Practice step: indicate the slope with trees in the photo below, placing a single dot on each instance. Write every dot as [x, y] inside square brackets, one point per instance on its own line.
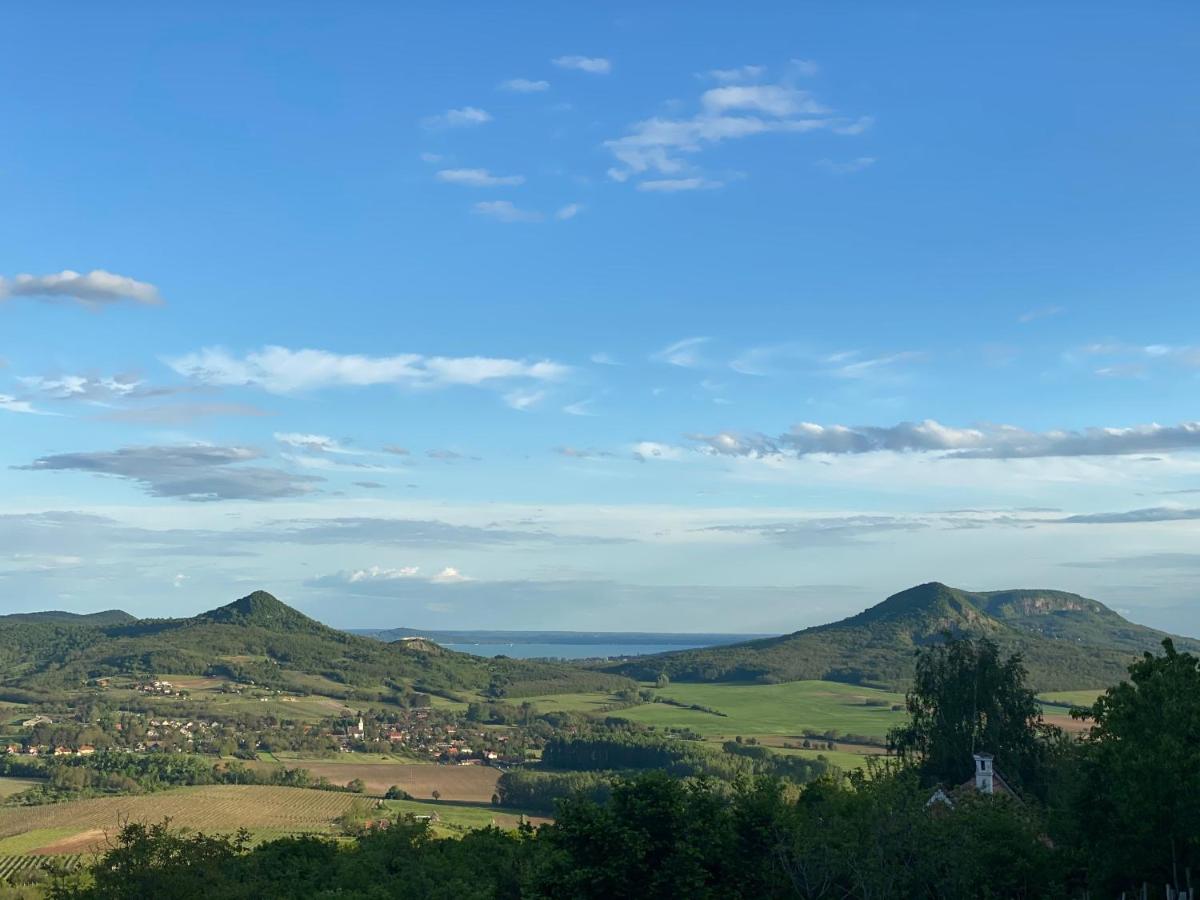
[1066, 641]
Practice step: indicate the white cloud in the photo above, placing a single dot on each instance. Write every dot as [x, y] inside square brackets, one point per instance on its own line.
[465, 117]
[740, 73]
[505, 211]
[647, 450]
[854, 127]
[570, 211]
[604, 359]
[82, 387]
[8, 403]
[674, 185]
[596, 65]
[380, 573]
[95, 288]
[656, 144]
[847, 365]
[930, 436]
[846, 167]
[773, 99]
[431, 157]
[579, 408]
[684, 353]
[178, 580]
[313, 443]
[524, 86]
[280, 370]
[478, 178]
[450, 575]
[523, 400]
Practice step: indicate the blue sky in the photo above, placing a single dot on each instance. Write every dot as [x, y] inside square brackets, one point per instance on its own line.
[611, 318]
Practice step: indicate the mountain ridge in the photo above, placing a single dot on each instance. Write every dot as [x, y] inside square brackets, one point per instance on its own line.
[260, 639]
[1068, 641]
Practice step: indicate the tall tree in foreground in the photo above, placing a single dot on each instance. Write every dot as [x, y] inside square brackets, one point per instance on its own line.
[967, 699]
[1135, 786]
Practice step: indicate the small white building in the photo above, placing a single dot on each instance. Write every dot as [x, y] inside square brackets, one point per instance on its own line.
[985, 781]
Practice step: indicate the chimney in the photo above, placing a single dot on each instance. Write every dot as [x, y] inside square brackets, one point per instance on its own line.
[983, 773]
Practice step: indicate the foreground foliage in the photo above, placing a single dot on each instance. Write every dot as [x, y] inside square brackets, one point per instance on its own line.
[1116, 811]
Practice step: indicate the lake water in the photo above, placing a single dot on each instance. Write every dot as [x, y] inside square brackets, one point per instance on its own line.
[566, 651]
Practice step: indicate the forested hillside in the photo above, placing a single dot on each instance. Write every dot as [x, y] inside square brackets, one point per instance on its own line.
[1067, 641]
[261, 640]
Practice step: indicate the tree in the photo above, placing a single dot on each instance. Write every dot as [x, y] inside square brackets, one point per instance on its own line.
[966, 699]
[437, 795]
[1135, 780]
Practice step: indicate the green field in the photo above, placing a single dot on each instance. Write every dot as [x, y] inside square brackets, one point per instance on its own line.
[10, 786]
[773, 709]
[590, 702]
[1070, 698]
[81, 826]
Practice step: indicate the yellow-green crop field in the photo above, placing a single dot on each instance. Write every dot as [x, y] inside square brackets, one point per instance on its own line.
[773, 709]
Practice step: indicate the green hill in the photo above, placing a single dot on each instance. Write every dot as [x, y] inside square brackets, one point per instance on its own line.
[261, 640]
[1068, 641]
[107, 617]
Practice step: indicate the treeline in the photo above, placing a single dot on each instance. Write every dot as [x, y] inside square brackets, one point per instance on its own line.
[590, 766]
[655, 838]
[126, 773]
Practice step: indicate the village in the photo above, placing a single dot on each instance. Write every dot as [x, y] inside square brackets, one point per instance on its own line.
[421, 734]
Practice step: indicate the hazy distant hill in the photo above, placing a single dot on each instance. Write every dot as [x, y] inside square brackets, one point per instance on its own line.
[260, 639]
[1068, 641]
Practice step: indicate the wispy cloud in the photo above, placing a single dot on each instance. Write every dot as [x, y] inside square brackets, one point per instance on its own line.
[478, 178]
[523, 400]
[846, 167]
[773, 99]
[930, 436]
[583, 453]
[1043, 312]
[849, 365]
[197, 472]
[734, 75]
[282, 371]
[684, 353]
[9, 403]
[570, 211]
[596, 65]
[524, 86]
[506, 211]
[733, 110]
[1134, 516]
[644, 451]
[674, 185]
[579, 408]
[94, 288]
[313, 443]
[463, 117]
[98, 389]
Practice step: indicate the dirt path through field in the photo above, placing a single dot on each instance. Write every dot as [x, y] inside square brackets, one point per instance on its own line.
[92, 841]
